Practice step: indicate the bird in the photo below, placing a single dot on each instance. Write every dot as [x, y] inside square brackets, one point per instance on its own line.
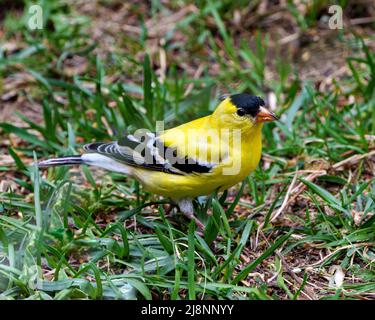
[197, 158]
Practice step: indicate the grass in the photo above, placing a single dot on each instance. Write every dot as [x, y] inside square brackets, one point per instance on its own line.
[85, 234]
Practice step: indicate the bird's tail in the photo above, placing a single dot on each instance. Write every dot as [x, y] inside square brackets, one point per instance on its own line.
[91, 159]
[63, 161]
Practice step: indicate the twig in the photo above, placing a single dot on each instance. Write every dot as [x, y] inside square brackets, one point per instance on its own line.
[301, 187]
[286, 199]
[337, 250]
[197, 74]
[363, 20]
[353, 159]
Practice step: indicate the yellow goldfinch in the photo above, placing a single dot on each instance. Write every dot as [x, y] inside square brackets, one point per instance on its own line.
[197, 158]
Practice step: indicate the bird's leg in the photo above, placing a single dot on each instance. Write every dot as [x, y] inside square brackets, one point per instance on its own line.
[187, 208]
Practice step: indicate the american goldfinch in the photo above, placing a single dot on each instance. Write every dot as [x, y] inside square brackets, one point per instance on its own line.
[197, 158]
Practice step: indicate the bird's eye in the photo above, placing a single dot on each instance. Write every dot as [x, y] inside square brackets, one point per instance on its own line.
[241, 112]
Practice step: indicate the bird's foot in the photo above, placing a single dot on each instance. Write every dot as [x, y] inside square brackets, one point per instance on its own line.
[191, 216]
[187, 208]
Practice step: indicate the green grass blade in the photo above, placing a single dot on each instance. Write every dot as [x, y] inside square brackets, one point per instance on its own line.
[191, 261]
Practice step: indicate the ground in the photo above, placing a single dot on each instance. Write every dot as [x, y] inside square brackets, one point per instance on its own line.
[301, 226]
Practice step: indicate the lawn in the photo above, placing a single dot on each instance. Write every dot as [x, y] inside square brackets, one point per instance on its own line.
[302, 226]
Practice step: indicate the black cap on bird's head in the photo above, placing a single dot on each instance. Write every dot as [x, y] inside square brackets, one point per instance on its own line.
[249, 105]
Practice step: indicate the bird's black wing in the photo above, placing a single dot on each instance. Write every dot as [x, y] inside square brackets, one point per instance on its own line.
[148, 152]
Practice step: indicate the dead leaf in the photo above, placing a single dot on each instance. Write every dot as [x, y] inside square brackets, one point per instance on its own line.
[337, 279]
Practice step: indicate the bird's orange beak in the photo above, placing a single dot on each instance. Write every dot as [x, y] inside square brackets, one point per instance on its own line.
[265, 115]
